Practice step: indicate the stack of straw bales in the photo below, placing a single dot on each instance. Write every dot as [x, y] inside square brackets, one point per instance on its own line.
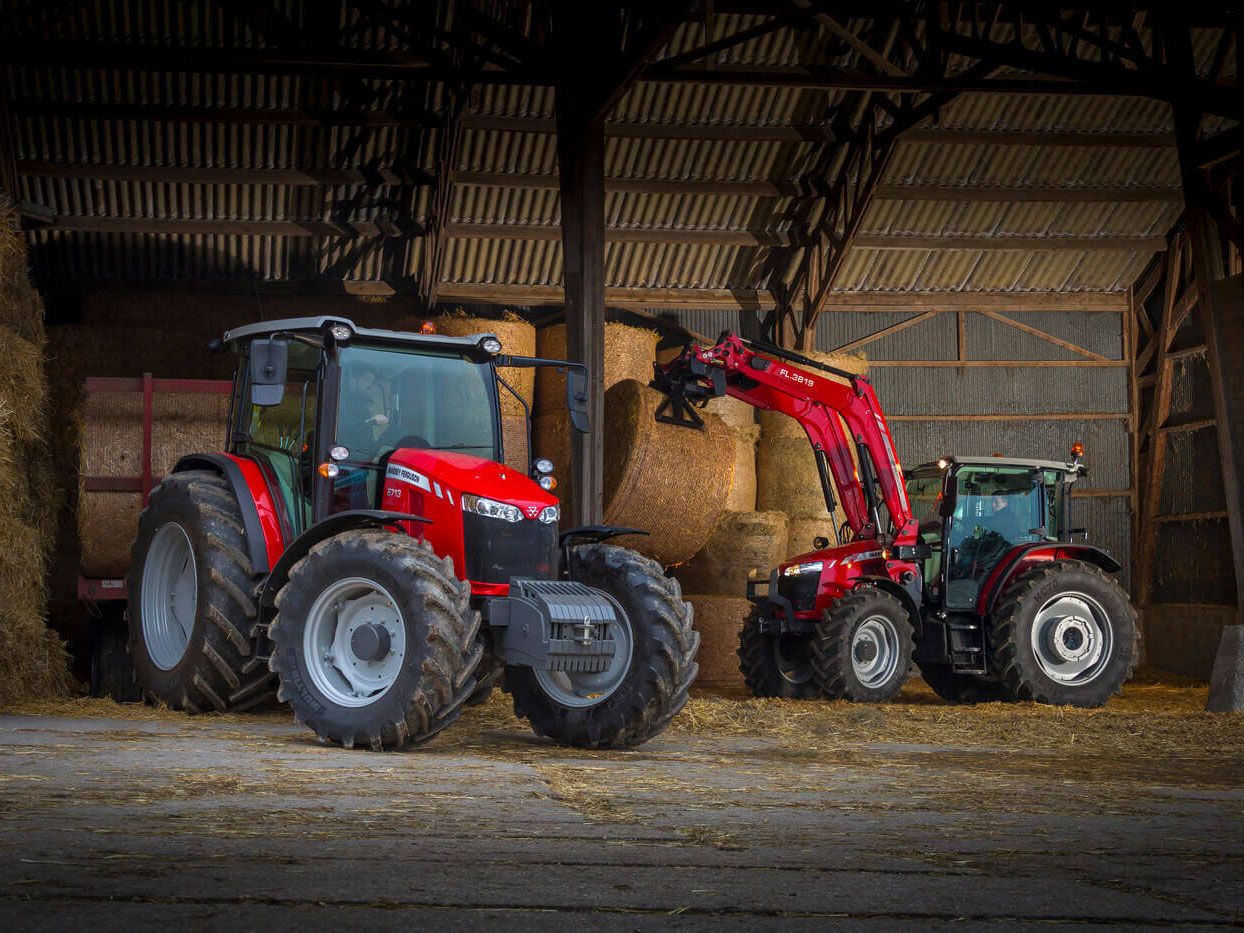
[112, 444]
[33, 662]
[785, 488]
[519, 339]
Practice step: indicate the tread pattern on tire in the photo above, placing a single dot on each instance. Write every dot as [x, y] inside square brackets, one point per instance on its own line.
[221, 678]
[759, 667]
[451, 649]
[831, 646]
[642, 708]
[1004, 633]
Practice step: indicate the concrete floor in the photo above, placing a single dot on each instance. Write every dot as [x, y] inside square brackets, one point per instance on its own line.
[208, 823]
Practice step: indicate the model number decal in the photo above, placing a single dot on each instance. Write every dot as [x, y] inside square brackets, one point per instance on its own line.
[796, 377]
[406, 475]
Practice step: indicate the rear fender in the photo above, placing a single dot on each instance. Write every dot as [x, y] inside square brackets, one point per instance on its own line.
[1019, 560]
[335, 524]
[260, 519]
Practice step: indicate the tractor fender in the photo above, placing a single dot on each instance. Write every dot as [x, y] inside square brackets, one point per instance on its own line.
[259, 519]
[335, 524]
[1018, 559]
[900, 592]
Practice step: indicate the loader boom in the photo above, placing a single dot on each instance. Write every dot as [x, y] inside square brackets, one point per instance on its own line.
[773, 379]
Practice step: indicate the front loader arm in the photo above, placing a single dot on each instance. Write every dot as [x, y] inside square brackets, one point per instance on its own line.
[770, 381]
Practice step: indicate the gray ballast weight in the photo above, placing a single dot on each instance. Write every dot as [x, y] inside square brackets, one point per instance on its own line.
[557, 625]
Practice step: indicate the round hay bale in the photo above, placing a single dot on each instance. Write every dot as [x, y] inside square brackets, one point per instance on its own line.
[742, 494]
[718, 619]
[514, 439]
[736, 415]
[629, 354]
[743, 545]
[517, 337]
[787, 478]
[550, 437]
[801, 529]
[670, 481]
[107, 527]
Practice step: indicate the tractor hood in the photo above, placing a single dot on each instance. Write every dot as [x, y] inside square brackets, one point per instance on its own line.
[461, 473]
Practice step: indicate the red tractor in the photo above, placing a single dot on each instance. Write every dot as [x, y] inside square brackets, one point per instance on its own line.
[982, 583]
[361, 540]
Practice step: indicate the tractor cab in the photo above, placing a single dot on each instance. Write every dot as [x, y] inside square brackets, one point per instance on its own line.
[975, 511]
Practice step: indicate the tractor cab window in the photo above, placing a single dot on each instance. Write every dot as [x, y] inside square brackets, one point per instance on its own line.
[393, 397]
[280, 438]
[996, 508]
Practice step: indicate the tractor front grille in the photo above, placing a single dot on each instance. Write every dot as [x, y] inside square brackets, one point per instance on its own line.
[497, 550]
[800, 589]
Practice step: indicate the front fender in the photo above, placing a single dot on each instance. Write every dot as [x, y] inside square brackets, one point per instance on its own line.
[335, 524]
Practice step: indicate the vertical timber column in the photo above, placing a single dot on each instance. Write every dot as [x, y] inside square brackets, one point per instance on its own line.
[581, 170]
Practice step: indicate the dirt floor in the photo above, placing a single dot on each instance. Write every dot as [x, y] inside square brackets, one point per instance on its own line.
[747, 813]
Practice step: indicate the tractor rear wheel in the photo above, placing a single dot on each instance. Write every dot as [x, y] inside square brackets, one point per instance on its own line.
[776, 665]
[1064, 634]
[191, 606]
[375, 642]
[862, 647]
[954, 687]
[635, 700]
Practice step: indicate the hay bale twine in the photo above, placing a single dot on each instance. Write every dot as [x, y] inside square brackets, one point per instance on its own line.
[517, 337]
[670, 481]
[718, 619]
[112, 446]
[743, 545]
[629, 354]
[742, 494]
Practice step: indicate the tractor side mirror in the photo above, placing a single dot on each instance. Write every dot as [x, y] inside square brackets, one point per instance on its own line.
[576, 399]
[269, 369]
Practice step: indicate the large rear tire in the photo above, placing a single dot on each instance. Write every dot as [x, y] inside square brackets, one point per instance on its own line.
[862, 647]
[1064, 634]
[653, 686]
[191, 601]
[776, 665]
[375, 641]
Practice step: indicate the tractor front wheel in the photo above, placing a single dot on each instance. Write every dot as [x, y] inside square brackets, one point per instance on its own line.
[776, 665]
[375, 641]
[1064, 634]
[635, 699]
[862, 647]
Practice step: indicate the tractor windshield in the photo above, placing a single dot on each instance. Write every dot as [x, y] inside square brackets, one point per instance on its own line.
[391, 397]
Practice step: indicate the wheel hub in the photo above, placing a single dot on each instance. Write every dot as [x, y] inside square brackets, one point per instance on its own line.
[875, 655]
[1072, 639]
[865, 649]
[370, 642]
[169, 596]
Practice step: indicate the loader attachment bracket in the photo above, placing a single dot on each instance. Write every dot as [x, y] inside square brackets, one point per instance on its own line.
[685, 391]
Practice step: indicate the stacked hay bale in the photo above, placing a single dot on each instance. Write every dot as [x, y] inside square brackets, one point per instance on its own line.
[629, 354]
[518, 338]
[33, 662]
[740, 418]
[112, 444]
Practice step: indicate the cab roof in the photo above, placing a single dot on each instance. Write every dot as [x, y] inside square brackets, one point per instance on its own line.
[468, 345]
[967, 460]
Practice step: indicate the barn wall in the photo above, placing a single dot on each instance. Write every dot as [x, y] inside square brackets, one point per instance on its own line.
[1038, 410]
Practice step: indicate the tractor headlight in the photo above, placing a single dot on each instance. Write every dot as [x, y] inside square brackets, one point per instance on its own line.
[547, 483]
[491, 345]
[812, 566]
[544, 465]
[340, 332]
[550, 514]
[491, 508]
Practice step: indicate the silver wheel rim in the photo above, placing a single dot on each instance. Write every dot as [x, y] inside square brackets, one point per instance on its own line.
[170, 596]
[1072, 639]
[347, 614]
[874, 651]
[790, 654]
[579, 689]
